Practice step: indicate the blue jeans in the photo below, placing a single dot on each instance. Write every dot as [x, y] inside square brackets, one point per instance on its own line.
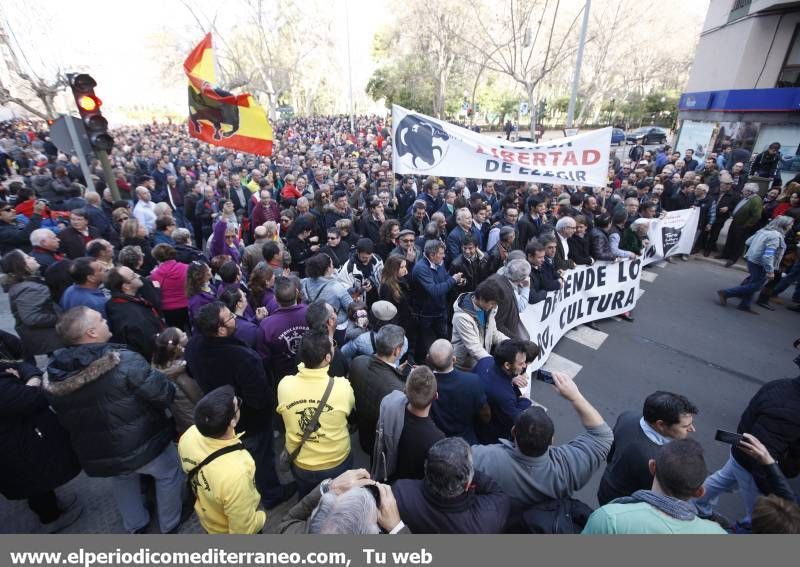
[259, 445]
[727, 479]
[754, 282]
[792, 276]
[308, 480]
[170, 480]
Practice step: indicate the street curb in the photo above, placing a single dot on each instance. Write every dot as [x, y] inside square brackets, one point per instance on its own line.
[721, 263]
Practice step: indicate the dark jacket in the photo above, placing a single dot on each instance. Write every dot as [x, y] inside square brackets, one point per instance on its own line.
[725, 200]
[474, 271]
[430, 287]
[35, 315]
[627, 471]
[134, 322]
[372, 379]
[45, 258]
[600, 246]
[113, 404]
[507, 316]
[773, 416]
[580, 250]
[13, 236]
[36, 449]
[540, 285]
[73, 244]
[186, 254]
[217, 361]
[504, 398]
[481, 510]
[561, 261]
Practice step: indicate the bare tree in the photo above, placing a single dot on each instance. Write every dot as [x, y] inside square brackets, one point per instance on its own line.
[26, 82]
[521, 39]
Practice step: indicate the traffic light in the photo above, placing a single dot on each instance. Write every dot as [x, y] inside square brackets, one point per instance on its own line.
[89, 108]
[542, 108]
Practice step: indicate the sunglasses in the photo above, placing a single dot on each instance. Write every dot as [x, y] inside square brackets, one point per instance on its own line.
[333, 238]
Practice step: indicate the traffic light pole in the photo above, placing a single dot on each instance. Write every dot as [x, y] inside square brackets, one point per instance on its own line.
[108, 173]
[73, 134]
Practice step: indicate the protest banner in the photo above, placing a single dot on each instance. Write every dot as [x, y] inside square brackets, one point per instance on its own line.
[605, 289]
[602, 290]
[673, 234]
[423, 145]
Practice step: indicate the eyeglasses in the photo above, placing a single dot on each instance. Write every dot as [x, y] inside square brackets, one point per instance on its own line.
[333, 238]
[228, 320]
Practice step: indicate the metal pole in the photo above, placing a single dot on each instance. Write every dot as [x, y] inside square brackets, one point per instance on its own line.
[73, 134]
[108, 173]
[579, 59]
[349, 66]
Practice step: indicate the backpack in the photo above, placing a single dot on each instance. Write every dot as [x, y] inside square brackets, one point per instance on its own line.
[562, 516]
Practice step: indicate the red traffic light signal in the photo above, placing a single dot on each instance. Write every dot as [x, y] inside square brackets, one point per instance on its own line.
[89, 108]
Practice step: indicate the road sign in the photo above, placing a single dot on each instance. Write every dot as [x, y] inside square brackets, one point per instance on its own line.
[63, 141]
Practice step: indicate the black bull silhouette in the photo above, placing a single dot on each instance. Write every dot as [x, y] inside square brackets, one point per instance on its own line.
[415, 136]
[219, 114]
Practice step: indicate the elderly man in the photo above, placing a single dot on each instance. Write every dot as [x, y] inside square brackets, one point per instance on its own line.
[720, 211]
[453, 497]
[145, 209]
[266, 209]
[565, 228]
[430, 284]
[45, 248]
[515, 282]
[745, 215]
[253, 253]
[464, 226]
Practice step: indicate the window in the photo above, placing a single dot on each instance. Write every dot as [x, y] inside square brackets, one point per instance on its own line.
[790, 72]
[739, 9]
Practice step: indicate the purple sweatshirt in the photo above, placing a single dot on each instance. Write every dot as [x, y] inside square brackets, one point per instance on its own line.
[279, 336]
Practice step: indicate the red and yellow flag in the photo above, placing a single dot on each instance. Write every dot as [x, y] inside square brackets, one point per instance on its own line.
[219, 117]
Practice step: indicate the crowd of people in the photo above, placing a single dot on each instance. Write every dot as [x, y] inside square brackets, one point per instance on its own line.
[228, 317]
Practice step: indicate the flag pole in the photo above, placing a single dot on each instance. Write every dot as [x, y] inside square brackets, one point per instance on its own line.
[349, 66]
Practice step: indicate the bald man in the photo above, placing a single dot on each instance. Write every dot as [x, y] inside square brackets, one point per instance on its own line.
[461, 401]
[252, 254]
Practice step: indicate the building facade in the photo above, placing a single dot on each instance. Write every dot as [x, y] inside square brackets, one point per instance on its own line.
[744, 86]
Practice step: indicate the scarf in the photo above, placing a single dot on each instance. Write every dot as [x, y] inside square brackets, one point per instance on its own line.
[678, 509]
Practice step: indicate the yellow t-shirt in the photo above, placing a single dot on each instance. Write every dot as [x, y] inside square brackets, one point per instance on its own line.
[298, 398]
[227, 498]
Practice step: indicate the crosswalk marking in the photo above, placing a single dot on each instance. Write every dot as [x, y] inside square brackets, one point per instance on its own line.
[641, 293]
[661, 264]
[556, 363]
[649, 276]
[587, 337]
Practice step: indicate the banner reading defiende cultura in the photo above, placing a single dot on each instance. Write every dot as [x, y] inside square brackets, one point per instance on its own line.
[605, 289]
[422, 145]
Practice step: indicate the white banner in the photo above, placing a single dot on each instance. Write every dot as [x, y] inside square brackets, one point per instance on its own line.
[422, 145]
[605, 289]
[602, 290]
[672, 234]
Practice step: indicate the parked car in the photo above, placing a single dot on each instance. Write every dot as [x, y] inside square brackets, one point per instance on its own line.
[648, 135]
[617, 136]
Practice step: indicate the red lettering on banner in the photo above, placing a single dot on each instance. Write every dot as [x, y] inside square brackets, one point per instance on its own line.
[480, 150]
[539, 158]
[590, 157]
[555, 157]
[507, 156]
[524, 158]
[570, 159]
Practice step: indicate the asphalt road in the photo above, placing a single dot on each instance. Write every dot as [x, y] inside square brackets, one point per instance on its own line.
[682, 341]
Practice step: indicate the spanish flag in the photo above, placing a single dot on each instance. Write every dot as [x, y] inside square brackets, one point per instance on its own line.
[219, 117]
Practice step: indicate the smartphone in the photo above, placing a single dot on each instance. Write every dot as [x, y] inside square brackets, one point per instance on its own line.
[544, 376]
[376, 493]
[728, 437]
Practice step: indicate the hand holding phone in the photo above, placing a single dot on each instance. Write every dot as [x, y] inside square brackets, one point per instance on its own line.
[728, 437]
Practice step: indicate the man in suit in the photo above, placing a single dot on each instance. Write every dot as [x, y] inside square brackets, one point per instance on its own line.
[565, 228]
[746, 215]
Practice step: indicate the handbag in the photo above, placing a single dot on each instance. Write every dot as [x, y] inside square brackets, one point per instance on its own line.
[286, 458]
